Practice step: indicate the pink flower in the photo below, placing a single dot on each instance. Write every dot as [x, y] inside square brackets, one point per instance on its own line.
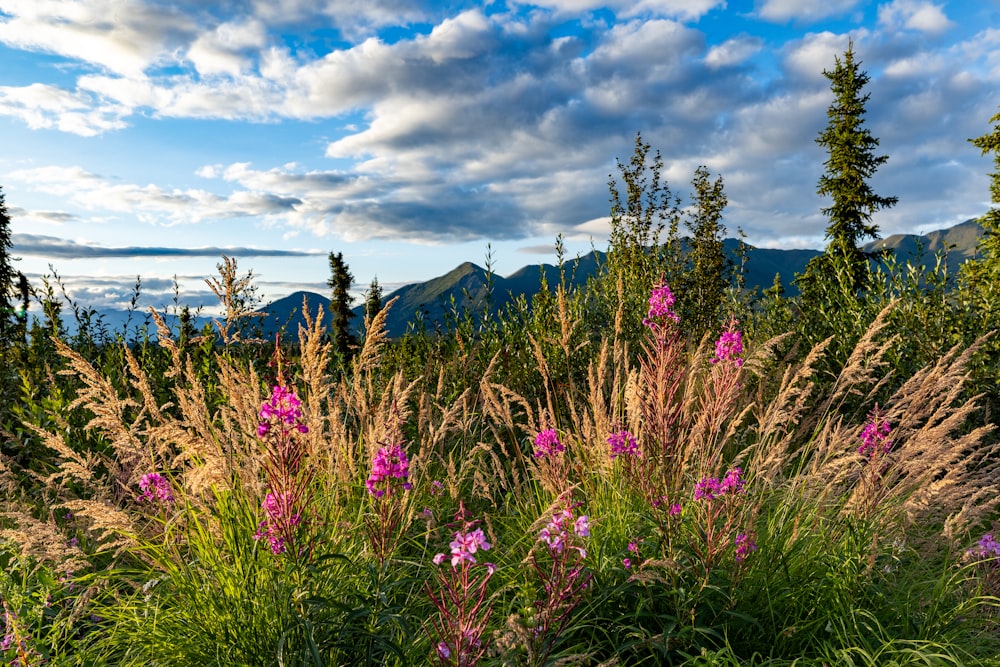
[729, 347]
[627, 562]
[279, 522]
[547, 444]
[390, 463]
[675, 509]
[707, 488]
[443, 651]
[282, 408]
[875, 435]
[623, 444]
[745, 545]
[661, 303]
[710, 488]
[155, 488]
[987, 547]
[733, 481]
[463, 545]
[582, 526]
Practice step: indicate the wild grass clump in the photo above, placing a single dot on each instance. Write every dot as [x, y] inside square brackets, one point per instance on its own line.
[618, 500]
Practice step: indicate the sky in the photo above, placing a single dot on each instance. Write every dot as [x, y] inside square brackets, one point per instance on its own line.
[146, 138]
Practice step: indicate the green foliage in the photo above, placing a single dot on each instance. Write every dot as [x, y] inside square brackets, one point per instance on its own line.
[638, 256]
[702, 286]
[830, 581]
[831, 282]
[339, 282]
[11, 284]
[850, 164]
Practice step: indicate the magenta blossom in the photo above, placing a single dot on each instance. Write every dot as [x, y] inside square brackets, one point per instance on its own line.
[155, 488]
[390, 463]
[710, 488]
[463, 546]
[745, 545]
[986, 548]
[623, 444]
[280, 521]
[557, 533]
[443, 651]
[661, 304]
[547, 444]
[729, 347]
[875, 435]
[282, 409]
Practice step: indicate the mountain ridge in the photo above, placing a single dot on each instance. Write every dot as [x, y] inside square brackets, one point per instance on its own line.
[467, 284]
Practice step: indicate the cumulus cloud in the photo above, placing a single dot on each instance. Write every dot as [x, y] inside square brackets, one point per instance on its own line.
[41, 106]
[733, 51]
[150, 203]
[781, 11]
[122, 36]
[494, 122]
[689, 10]
[916, 15]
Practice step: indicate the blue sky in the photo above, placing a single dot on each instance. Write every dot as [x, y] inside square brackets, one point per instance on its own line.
[144, 137]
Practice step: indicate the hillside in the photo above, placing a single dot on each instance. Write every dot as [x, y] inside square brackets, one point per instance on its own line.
[466, 284]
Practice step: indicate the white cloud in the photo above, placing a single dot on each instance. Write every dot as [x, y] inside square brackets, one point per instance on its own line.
[687, 10]
[733, 51]
[41, 106]
[781, 11]
[228, 49]
[806, 59]
[122, 36]
[916, 15]
[151, 204]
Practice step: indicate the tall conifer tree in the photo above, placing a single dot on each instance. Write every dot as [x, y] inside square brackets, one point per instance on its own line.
[340, 304]
[850, 164]
[8, 278]
[990, 243]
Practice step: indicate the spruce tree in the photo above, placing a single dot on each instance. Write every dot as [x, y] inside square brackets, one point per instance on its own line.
[373, 299]
[340, 305]
[850, 164]
[990, 243]
[8, 279]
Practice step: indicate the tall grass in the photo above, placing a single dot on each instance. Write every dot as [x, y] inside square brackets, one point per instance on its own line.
[525, 493]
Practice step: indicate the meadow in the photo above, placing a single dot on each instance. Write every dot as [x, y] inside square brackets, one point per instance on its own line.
[579, 479]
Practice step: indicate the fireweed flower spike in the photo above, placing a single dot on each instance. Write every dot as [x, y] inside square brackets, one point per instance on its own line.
[623, 444]
[547, 444]
[390, 463]
[282, 409]
[710, 488]
[155, 489]
[661, 305]
[559, 566]
[729, 347]
[281, 520]
[461, 601]
[875, 435]
[286, 498]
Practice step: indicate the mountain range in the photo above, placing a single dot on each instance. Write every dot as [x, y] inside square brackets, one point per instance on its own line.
[467, 284]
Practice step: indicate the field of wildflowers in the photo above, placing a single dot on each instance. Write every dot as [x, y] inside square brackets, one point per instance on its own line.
[522, 493]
